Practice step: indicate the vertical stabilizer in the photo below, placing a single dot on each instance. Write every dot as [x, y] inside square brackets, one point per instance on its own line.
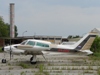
[86, 42]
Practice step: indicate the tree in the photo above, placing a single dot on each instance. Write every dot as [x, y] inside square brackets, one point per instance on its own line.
[16, 33]
[77, 36]
[5, 29]
[96, 45]
[70, 36]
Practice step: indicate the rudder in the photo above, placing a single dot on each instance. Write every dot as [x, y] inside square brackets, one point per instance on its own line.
[86, 42]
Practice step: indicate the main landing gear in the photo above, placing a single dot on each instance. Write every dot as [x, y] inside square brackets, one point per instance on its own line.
[33, 59]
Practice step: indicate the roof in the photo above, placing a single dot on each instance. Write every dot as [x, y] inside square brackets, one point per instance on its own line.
[96, 30]
[40, 36]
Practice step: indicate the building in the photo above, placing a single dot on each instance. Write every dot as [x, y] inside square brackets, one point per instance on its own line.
[53, 39]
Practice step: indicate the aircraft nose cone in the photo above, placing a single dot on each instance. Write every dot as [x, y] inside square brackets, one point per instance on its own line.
[2, 48]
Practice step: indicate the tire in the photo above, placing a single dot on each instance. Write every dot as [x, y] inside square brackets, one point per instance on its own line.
[3, 60]
[33, 62]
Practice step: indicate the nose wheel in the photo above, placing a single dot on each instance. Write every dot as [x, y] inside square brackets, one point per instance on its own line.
[3, 60]
[33, 59]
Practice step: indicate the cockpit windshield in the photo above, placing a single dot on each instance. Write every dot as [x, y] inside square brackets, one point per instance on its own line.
[30, 43]
[23, 43]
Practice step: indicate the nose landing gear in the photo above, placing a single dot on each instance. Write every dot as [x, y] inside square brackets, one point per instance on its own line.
[3, 60]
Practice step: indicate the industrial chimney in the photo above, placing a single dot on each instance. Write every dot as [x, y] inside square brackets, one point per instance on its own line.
[12, 29]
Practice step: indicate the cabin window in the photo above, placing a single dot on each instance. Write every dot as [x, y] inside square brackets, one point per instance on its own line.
[42, 44]
[31, 43]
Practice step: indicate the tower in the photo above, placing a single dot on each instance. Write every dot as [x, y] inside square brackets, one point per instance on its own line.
[12, 29]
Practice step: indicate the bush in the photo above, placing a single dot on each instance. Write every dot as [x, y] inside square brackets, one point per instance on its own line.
[96, 54]
[96, 45]
[1, 49]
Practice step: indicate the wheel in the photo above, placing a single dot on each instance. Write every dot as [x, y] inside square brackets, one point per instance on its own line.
[3, 60]
[33, 62]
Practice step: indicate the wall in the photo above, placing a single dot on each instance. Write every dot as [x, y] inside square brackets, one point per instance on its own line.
[1, 42]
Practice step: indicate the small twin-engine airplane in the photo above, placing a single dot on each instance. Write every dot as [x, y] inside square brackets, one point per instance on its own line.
[39, 47]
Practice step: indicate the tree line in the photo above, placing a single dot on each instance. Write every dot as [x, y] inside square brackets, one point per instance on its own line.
[5, 29]
[72, 36]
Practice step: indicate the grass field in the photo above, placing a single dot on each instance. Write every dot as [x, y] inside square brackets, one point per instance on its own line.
[55, 65]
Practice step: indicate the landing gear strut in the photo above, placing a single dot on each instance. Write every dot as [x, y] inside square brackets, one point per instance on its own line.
[33, 59]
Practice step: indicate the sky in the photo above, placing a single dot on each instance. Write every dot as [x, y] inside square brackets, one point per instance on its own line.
[53, 17]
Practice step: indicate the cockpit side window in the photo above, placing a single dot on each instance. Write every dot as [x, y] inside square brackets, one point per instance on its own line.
[23, 43]
[31, 43]
[42, 44]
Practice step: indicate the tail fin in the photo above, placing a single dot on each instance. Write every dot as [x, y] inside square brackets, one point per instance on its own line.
[86, 42]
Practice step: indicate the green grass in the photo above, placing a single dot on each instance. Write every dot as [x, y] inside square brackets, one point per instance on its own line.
[1, 49]
[22, 73]
[24, 65]
[95, 56]
[41, 72]
[41, 66]
[98, 71]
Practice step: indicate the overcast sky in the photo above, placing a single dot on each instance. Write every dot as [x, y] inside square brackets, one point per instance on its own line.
[53, 17]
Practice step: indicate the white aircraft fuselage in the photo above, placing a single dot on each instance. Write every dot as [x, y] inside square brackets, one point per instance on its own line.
[40, 47]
